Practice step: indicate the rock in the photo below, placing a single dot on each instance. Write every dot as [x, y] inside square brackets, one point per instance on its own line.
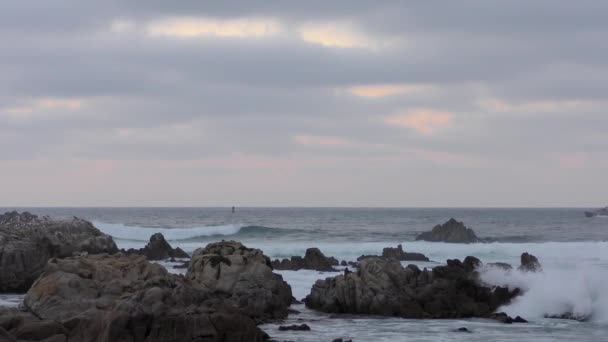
[463, 329]
[314, 259]
[159, 249]
[104, 298]
[451, 231]
[399, 254]
[244, 276]
[301, 327]
[529, 263]
[343, 263]
[384, 287]
[519, 319]
[341, 340]
[27, 242]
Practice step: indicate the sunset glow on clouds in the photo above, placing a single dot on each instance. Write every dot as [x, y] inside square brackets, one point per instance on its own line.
[215, 100]
[423, 121]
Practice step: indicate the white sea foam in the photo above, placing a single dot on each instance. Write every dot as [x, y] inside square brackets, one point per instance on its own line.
[131, 233]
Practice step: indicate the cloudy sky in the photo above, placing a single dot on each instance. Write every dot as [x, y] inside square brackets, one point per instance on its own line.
[303, 103]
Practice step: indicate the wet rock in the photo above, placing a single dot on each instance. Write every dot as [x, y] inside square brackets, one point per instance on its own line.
[244, 275]
[504, 318]
[314, 259]
[159, 249]
[399, 254]
[104, 298]
[529, 263]
[384, 287]
[341, 340]
[451, 231]
[463, 330]
[295, 327]
[27, 242]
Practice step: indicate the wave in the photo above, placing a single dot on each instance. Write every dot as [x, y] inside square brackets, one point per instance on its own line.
[121, 231]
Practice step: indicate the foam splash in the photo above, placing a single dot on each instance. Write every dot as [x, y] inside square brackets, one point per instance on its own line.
[580, 292]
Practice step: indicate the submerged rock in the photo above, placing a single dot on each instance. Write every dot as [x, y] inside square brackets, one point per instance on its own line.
[159, 249]
[294, 327]
[102, 298]
[314, 259]
[384, 287]
[529, 263]
[244, 276]
[451, 231]
[27, 242]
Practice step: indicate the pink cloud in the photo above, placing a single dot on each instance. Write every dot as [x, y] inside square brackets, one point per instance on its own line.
[423, 121]
[318, 140]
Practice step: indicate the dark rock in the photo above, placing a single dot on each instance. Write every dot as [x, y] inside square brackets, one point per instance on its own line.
[451, 231]
[463, 329]
[27, 242]
[341, 340]
[244, 276]
[343, 263]
[159, 249]
[313, 260]
[529, 263]
[399, 254]
[301, 327]
[504, 318]
[570, 316]
[101, 298]
[384, 287]
[519, 319]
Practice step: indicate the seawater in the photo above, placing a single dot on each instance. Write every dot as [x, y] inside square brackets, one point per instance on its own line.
[572, 249]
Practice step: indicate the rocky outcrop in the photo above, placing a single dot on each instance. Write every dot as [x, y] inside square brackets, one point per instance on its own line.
[314, 259]
[529, 263]
[384, 287]
[102, 298]
[243, 276]
[396, 254]
[451, 231]
[159, 249]
[27, 242]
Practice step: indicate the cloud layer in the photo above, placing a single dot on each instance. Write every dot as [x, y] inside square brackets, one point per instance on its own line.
[341, 103]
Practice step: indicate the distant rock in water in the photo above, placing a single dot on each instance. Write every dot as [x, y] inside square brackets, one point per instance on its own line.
[314, 259]
[384, 287]
[529, 263]
[27, 242]
[159, 249]
[242, 275]
[599, 212]
[396, 254]
[451, 231]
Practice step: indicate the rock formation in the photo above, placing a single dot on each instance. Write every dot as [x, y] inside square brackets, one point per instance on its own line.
[244, 276]
[384, 287]
[27, 242]
[159, 249]
[529, 263]
[314, 259]
[397, 254]
[451, 231]
[99, 298]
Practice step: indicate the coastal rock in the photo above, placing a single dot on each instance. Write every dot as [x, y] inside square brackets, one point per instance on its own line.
[244, 276]
[500, 265]
[451, 231]
[294, 327]
[314, 259]
[118, 297]
[529, 263]
[506, 319]
[159, 249]
[384, 287]
[396, 254]
[27, 242]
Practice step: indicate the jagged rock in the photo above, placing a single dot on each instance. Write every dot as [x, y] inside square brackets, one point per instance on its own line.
[451, 231]
[159, 249]
[27, 242]
[314, 259]
[396, 254]
[343, 263]
[384, 287]
[504, 318]
[102, 298]
[529, 263]
[244, 275]
[301, 327]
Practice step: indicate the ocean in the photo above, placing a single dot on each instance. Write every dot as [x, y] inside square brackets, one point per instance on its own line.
[573, 250]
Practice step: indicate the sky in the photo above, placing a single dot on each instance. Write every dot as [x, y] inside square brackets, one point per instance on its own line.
[304, 103]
